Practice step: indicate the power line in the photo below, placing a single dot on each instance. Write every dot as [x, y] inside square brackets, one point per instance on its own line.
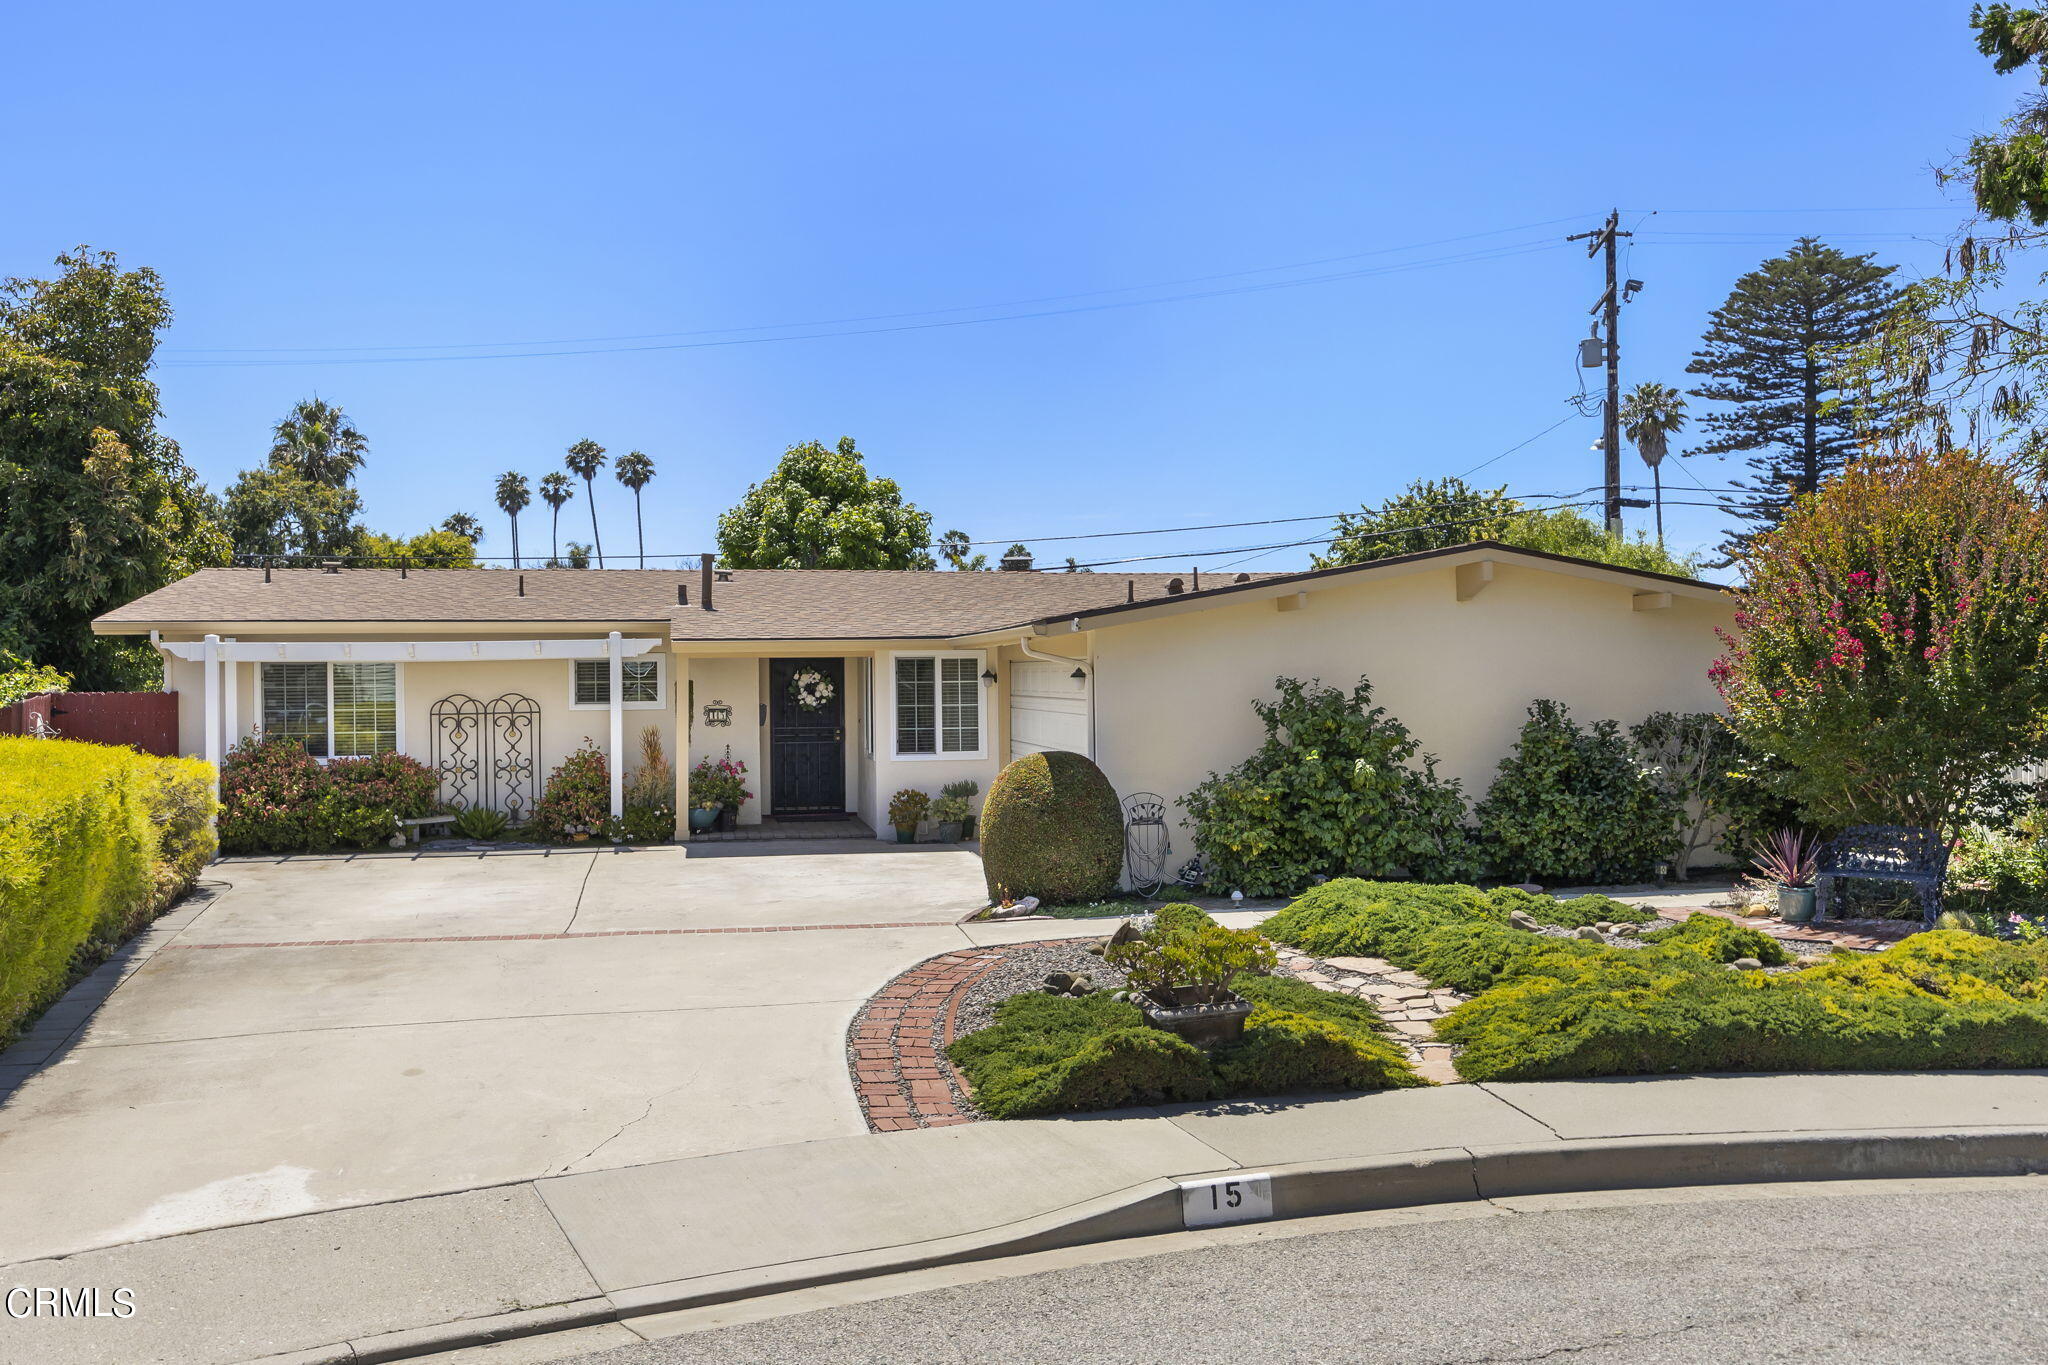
[880, 317]
[1519, 444]
[1465, 258]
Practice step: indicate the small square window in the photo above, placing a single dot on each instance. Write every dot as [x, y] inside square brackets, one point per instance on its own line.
[640, 682]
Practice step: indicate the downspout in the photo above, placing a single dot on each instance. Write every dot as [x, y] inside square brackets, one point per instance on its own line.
[1086, 661]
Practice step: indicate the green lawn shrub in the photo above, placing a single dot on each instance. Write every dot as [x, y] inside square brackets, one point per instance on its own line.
[1052, 827]
[95, 841]
[1575, 806]
[1337, 788]
[277, 798]
[1048, 1054]
[576, 804]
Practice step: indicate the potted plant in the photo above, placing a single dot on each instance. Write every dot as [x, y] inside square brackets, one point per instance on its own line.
[964, 791]
[1790, 858]
[950, 813]
[703, 816]
[1180, 972]
[722, 784]
[906, 808]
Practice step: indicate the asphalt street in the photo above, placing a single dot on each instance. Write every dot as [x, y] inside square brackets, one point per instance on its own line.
[1928, 1274]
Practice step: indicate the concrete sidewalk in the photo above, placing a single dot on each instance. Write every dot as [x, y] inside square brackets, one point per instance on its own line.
[399, 1279]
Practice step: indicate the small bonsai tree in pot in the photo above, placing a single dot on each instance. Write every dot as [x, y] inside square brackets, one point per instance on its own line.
[906, 808]
[1181, 970]
[1790, 858]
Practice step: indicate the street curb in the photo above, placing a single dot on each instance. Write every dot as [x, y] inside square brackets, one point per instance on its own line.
[1448, 1175]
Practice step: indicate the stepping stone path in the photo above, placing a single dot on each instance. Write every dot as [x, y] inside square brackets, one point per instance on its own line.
[1404, 1000]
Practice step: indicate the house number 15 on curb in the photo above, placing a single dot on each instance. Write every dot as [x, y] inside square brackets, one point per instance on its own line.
[1229, 1199]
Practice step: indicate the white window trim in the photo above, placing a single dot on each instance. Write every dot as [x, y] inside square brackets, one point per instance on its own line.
[397, 695]
[660, 702]
[981, 708]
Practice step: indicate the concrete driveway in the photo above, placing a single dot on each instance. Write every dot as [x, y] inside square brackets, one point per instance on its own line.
[332, 1031]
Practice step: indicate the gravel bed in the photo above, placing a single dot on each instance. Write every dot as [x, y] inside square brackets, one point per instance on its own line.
[1025, 969]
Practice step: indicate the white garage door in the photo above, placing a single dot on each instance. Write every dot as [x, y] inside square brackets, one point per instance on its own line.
[1048, 708]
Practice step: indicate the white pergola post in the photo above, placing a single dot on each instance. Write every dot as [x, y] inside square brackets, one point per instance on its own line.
[615, 668]
[231, 694]
[212, 690]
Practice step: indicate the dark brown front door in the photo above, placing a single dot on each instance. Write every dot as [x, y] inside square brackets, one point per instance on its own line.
[806, 745]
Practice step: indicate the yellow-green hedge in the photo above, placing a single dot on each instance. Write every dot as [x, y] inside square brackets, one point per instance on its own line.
[94, 842]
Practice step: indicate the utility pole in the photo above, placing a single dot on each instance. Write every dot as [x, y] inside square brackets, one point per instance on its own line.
[1608, 309]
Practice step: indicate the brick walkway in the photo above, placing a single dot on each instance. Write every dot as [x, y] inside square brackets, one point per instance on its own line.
[1867, 935]
[897, 1045]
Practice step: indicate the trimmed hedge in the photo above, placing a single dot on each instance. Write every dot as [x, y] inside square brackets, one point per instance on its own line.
[277, 798]
[1052, 828]
[1049, 1054]
[95, 841]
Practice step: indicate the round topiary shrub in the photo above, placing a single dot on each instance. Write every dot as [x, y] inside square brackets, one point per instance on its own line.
[1052, 828]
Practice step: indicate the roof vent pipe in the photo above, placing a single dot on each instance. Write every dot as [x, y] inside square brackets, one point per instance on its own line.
[1198, 578]
[1130, 590]
[1174, 587]
[330, 566]
[1242, 578]
[682, 594]
[522, 585]
[704, 580]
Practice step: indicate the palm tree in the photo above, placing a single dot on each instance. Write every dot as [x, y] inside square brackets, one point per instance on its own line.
[555, 489]
[318, 443]
[954, 548]
[512, 500]
[586, 457]
[1649, 414]
[464, 525]
[635, 470]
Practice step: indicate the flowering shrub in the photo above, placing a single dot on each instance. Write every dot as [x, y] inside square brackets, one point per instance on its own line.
[719, 782]
[578, 801]
[1336, 790]
[1575, 806]
[367, 797]
[1891, 643]
[276, 798]
[907, 807]
[270, 790]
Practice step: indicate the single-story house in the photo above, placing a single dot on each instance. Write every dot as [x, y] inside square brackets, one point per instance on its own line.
[837, 688]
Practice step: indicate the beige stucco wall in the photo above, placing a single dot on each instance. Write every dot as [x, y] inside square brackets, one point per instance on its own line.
[736, 682]
[1173, 695]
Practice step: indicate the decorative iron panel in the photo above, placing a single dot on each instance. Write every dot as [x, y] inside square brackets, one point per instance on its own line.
[486, 753]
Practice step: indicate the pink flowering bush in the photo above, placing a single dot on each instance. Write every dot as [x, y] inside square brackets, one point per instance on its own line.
[577, 804]
[276, 798]
[719, 782]
[1889, 646]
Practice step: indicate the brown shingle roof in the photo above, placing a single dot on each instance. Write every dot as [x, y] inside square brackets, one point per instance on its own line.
[757, 604]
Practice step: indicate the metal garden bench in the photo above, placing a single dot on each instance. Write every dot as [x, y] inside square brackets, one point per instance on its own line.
[1886, 853]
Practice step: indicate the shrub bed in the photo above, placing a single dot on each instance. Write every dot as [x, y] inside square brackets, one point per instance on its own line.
[276, 798]
[95, 841]
[1549, 1008]
[1048, 1054]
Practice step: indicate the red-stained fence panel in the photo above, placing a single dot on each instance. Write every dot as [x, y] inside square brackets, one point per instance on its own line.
[146, 720]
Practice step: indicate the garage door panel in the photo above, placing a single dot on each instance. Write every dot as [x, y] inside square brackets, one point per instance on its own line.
[1049, 708]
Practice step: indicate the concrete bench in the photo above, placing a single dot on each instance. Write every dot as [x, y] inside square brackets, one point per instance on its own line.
[410, 830]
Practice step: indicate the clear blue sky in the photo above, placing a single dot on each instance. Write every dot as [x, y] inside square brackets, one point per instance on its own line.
[415, 176]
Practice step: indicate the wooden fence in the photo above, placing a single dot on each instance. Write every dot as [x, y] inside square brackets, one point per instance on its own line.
[146, 720]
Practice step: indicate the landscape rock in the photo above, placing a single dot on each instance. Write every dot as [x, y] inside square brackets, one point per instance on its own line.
[1587, 932]
[1522, 919]
[1747, 964]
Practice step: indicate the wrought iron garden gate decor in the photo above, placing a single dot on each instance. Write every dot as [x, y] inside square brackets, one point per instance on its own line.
[487, 752]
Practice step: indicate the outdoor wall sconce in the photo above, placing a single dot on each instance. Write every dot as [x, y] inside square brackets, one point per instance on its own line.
[988, 675]
[718, 713]
[1079, 674]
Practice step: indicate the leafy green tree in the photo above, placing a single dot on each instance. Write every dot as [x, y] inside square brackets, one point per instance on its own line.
[512, 500]
[821, 510]
[636, 471]
[1772, 355]
[1692, 754]
[437, 549]
[1892, 645]
[19, 678]
[1431, 514]
[1573, 806]
[273, 513]
[578, 558]
[2009, 171]
[1442, 513]
[317, 442]
[585, 458]
[555, 490]
[464, 525]
[96, 507]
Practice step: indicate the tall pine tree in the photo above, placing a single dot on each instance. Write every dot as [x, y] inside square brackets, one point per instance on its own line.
[1769, 355]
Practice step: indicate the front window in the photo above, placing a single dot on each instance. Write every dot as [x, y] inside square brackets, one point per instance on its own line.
[335, 710]
[639, 682]
[938, 705]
